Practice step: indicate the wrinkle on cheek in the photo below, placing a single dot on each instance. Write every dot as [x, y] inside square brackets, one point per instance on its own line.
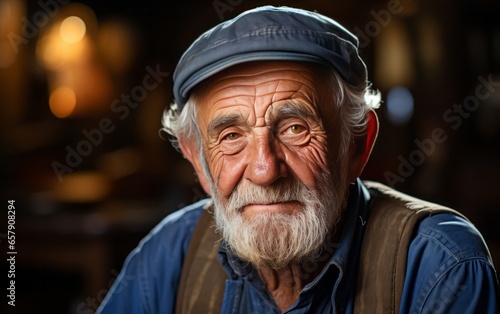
[316, 152]
[319, 157]
[226, 171]
[211, 146]
[320, 142]
[215, 162]
[305, 166]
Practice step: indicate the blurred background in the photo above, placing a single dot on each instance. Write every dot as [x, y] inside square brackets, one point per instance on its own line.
[83, 86]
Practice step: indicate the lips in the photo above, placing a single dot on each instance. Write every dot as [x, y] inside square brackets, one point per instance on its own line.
[287, 207]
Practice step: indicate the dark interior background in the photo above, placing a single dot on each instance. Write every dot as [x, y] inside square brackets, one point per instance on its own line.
[74, 230]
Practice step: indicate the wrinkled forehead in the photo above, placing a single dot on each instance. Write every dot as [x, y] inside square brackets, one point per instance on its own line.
[264, 88]
[268, 76]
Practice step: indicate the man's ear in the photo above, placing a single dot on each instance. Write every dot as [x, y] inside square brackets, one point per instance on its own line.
[362, 146]
[190, 151]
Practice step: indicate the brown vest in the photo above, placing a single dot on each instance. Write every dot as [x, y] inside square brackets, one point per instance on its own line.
[382, 266]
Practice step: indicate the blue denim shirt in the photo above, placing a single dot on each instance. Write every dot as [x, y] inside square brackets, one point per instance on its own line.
[449, 270]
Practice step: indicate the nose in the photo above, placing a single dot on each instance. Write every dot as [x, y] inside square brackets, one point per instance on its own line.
[266, 162]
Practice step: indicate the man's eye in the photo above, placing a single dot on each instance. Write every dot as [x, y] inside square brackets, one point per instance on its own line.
[231, 136]
[297, 129]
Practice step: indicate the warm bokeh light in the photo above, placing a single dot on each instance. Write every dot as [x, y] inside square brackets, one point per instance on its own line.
[66, 49]
[11, 13]
[72, 29]
[55, 54]
[7, 54]
[393, 56]
[82, 187]
[49, 52]
[62, 101]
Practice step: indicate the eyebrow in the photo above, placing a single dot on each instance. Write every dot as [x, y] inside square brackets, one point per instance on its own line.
[287, 110]
[221, 122]
[294, 109]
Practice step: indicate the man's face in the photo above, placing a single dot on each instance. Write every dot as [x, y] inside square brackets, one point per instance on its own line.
[269, 158]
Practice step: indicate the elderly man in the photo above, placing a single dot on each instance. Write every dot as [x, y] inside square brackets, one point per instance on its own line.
[274, 112]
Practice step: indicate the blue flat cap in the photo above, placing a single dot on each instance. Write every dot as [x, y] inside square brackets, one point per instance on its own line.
[269, 33]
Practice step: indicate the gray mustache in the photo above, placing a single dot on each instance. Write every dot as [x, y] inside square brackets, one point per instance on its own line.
[249, 193]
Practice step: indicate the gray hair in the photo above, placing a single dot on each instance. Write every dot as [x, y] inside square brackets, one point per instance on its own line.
[181, 123]
[354, 103]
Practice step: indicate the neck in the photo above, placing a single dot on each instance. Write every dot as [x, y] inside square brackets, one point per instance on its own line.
[286, 284]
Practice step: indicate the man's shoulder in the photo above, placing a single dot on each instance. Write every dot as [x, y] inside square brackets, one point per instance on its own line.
[453, 234]
[436, 236]
[148, 280]
[449, 268]
[183, 217]
[167, 242]
[176, 227]
[436, 226]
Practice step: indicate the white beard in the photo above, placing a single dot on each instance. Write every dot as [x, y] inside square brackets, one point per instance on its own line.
[276, 240]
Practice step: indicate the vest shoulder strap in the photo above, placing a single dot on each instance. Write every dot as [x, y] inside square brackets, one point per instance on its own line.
[202, 280]
[392, 219]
